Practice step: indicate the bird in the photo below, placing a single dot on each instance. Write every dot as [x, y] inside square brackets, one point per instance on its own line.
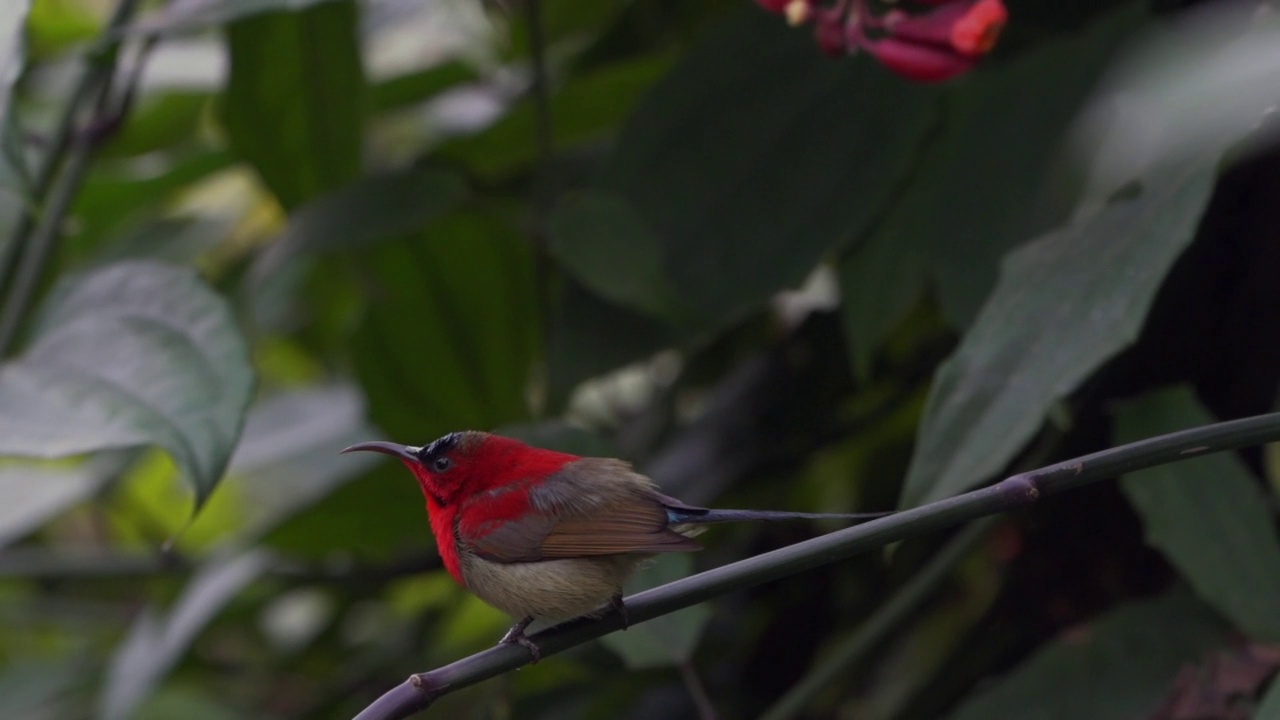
[538, 533]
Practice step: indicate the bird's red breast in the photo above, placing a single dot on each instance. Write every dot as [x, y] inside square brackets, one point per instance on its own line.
[487, 488]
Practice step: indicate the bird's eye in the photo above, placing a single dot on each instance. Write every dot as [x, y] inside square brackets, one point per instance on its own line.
[441, 464]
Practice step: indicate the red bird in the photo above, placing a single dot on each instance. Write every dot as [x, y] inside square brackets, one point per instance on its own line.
[539, 533]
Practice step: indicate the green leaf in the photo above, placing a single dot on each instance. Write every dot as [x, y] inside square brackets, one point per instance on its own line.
[157, 640]
[579, 350]
[33, 493]
[666, 640]
[414, 87]
[1269, 707]
[746, 203]
[977, 194]
[136, 353]
[13, 17]
[287, 459]
[598, 238]
[114, 193]
[1065, 304]
[368, 210]
[1115, 668]
[34, 688]
[197, 14]
[294, 103]
[586, 109]
[880, 281]
[449, 339]
[1208, 516]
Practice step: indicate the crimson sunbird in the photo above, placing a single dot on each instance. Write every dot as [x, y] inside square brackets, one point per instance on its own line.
[543, 534]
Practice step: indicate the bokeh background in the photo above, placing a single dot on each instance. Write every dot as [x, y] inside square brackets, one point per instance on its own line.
[239, 235]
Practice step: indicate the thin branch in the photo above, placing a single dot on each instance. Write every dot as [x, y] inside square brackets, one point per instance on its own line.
[38, 228]
[1023, 489]
[701, 700]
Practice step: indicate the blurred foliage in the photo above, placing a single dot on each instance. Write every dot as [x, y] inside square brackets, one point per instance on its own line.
[767, 277]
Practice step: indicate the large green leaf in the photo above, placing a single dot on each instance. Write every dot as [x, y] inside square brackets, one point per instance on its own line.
[1116, 668]
[756, 156]
[598, 238]
[1065, 304]
[979, 194]
[880, 281]
[449, 338]
[136, 353]
[294, 104]
[667, 640]
[157, 640]
[368, 210]
[1209, 516]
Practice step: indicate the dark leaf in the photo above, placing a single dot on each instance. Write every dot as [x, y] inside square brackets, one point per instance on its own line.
[579, 351]
[1208, 516]
[1066, 303]
[880, 281]
[977, 195]
[756, 156]
[586, 109]
[368, 210]
[1115, 668]
[294, 103]
[449, 338]
[598, 238]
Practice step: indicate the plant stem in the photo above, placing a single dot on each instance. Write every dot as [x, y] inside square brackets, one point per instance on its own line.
[544, 182]
[698, 691]
[1023, 489]
[37, 229]
[881, 623]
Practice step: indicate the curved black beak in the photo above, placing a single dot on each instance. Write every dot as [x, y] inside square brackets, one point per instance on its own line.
[404, 452]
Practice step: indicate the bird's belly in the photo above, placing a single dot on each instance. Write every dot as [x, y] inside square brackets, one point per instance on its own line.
[554, 589]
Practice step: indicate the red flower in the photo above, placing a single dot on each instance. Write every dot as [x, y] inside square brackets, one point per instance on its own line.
[968, 27]
[922, 63]
[939, 44]
[773, 5]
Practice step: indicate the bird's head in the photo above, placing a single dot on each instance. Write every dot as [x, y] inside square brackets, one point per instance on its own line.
[460, 464]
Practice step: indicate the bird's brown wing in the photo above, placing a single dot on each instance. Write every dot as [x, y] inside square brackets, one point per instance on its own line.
[569, 516]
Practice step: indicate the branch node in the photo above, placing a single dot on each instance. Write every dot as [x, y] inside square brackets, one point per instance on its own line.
[1019, 490]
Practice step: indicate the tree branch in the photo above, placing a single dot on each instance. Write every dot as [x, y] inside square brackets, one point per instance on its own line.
[1023, 489]
[38, 227]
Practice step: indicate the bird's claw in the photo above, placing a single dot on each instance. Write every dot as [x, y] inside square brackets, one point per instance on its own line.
[621, 607]
[516, 636]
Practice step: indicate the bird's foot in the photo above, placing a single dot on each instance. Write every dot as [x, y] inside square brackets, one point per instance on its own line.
[621, 607]
[516, 636]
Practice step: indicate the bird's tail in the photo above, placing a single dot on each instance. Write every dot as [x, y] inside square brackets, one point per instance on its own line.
[704, 516]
